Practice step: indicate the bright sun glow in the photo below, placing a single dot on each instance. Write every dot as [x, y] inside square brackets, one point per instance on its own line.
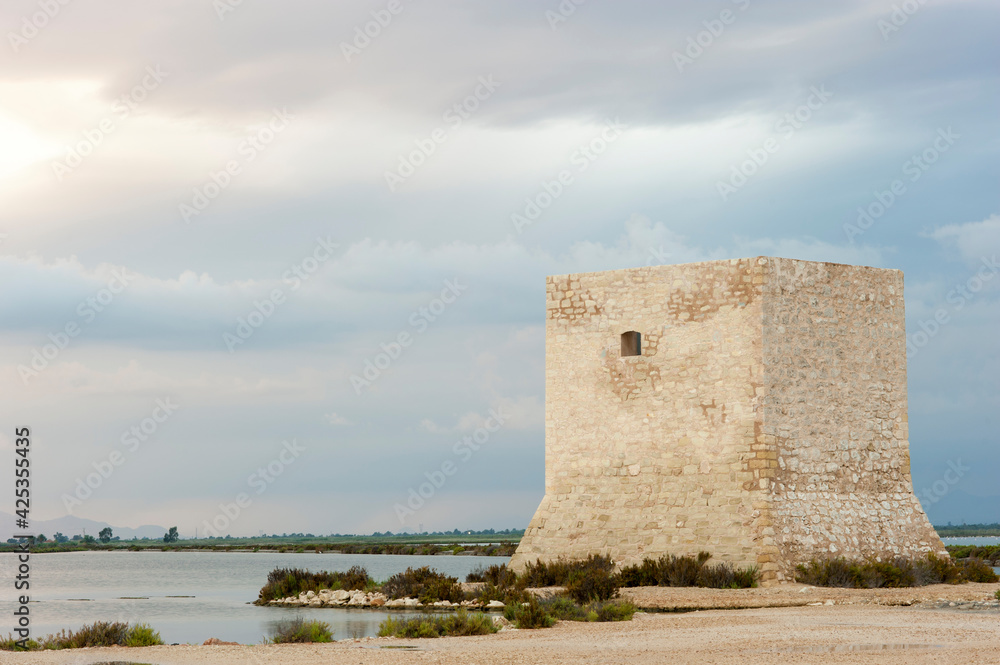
[20, 146]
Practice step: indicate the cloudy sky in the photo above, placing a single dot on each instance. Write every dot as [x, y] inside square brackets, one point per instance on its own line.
[215, 214]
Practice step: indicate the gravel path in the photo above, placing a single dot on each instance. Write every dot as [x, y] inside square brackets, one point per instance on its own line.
[859, 633]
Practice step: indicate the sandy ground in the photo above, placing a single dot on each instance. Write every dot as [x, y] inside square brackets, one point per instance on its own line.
[862, 631]
[794, 595]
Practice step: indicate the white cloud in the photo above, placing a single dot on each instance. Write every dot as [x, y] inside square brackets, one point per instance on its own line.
[973, 240]
[336, 419]
[432, 427]
[372, 284]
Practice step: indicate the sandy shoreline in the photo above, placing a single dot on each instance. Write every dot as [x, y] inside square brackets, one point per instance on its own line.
[860, 627]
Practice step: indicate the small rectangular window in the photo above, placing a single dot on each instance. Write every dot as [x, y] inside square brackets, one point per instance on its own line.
[631, 344]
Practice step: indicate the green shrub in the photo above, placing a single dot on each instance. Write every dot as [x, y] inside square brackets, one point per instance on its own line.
[557, 573]
[425, 584]
[828, 573]
[721, 576]
[564, 609]
[684, 570]
[648, 573]
[997, 595]
[98, 634]
[941, 570]
[529, 615]
[687, 571]
[459, 624]
[726, 576]
[142, 635]
[506, 595]
[897, 573]
[618, 610]
[990, 553]
[298, 630]
[977, 570]
[285, 582]
[497, 575]
[747, 578]
[9, 643]
[592, 584]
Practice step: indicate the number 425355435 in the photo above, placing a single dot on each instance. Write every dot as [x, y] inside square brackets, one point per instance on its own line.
[23, 443]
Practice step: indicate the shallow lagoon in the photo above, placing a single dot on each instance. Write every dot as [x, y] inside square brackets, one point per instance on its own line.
[192, 596]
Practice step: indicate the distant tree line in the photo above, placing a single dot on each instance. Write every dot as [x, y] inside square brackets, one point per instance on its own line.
[968, 530]
[106, 536]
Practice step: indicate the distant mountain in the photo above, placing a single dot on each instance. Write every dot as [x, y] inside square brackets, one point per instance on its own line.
[71, 526]
[957, 507]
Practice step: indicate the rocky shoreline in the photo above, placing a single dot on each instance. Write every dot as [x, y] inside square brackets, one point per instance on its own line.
[972, 596]
[373, 599]
[962, 605]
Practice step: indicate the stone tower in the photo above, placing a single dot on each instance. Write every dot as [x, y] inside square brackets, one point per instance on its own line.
[753, 408]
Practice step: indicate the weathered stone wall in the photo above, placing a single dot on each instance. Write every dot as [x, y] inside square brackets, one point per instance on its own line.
[724, 434]
[835, 411]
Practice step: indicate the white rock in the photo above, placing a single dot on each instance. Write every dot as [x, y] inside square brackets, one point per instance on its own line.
[340, 595]
[494, 603]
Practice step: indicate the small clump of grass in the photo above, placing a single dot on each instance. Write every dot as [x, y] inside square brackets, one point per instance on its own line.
[300, 631]
[616, 610]
[11, 643]
[459, 624]
[142, 635]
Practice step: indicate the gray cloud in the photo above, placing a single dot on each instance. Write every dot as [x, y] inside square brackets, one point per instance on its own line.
[652, 197]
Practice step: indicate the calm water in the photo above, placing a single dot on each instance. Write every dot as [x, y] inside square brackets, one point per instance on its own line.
[190, 597]
[975, 540]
